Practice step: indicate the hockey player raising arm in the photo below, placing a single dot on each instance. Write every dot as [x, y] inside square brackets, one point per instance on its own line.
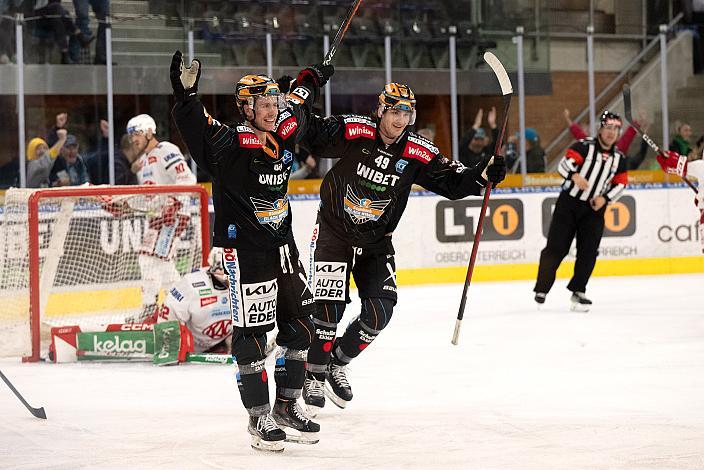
[677, 164]
[250, 164]
[362, 199]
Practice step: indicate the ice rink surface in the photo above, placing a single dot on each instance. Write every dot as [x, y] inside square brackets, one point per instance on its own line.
[621, 387]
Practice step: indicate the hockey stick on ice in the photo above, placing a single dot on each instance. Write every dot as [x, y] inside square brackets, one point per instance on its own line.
[507, 92]
[644, 136]
[36, 412]
[341, 32]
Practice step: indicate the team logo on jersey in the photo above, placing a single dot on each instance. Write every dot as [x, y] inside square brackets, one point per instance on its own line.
[176, 294]
[417, 152]
[288, 157]
[270, 213]
[357, 127]
[249, 141]
[401, 165]
[363, 210]
[205, 301]
[232, 231]
[287, 127]
[376, 176]
[151, 159]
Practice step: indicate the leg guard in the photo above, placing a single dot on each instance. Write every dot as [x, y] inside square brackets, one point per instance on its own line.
[294, 338]
[376, 314]
[325, 320]
[252, 379]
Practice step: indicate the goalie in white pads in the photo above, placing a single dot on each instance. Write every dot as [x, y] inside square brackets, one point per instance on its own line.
[159, 163]
[200, 300]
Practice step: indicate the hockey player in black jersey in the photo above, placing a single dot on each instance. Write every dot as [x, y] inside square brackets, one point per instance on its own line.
[362, 199]
[250, 165]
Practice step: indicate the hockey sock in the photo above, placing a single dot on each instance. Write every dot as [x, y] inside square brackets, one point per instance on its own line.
[375, 315]
[252, 380]
[325, 321]
[253, 385]
[289, 373]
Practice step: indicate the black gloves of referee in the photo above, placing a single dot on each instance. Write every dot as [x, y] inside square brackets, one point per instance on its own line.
[495, 170]
[184, 80]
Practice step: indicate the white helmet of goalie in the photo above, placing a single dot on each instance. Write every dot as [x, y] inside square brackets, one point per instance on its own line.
[141, 124]
[215, 266]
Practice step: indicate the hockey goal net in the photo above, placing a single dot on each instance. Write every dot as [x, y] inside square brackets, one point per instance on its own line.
[71, 256]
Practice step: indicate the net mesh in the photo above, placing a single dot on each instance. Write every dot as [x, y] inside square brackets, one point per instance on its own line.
[90, 273]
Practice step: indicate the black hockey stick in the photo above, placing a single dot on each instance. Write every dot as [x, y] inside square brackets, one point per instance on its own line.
[645, 137]
[37, 412]
[341, 32]
[507, 92]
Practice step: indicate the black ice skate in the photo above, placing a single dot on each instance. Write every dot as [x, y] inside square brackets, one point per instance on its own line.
[313, 394]
[540, 298]
[299, 429]
[579, 302]
[337, 388]
[266, 435]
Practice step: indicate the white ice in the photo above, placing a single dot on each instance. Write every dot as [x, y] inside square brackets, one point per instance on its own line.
[620, 387]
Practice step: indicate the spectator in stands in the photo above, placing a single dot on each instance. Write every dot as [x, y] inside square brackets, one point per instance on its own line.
[100, 9]
[69, 169]
[60, 122]
[681, 141]
[124, 160]
[41, 159]
[476, 148]
[56, 19]
[579, 133]
[7, 30]
[98, 158]
[535, 155]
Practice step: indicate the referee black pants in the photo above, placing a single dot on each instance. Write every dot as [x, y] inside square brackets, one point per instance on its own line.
[571, 218]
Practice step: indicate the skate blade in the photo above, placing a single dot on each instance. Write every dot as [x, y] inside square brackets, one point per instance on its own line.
[579, 308]
[266, 446]
[297, 437]
[339, 402]
[311, 410]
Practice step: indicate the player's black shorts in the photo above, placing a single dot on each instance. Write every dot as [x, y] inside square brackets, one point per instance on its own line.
[266, 286]
[333, 259]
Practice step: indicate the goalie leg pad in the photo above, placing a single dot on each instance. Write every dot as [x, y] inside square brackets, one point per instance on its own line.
[374, 317]
[325, 320]
[252, 380]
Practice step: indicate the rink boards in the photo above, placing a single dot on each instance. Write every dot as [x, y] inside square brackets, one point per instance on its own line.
[652, 229]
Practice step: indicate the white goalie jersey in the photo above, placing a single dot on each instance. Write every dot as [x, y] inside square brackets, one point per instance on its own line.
[195, 301]
[165, 164]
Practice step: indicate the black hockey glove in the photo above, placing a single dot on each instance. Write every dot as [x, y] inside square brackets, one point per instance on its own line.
[184, 80]
[284, 84]
[495, 170]
[318, 74]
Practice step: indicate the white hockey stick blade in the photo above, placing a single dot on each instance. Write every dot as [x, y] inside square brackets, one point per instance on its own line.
[500, 72]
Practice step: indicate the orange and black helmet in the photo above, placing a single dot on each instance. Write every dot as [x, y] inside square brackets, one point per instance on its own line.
[398, 96]
[250, 87]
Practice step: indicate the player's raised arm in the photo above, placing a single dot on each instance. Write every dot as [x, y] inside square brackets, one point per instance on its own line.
[205, 137]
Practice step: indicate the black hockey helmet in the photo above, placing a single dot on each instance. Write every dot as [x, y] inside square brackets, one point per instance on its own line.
[607, 116]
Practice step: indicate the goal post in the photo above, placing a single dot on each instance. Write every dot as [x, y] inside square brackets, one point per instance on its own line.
[72, 256]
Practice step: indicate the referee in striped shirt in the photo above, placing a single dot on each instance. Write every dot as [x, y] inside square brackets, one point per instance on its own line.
[595, 173]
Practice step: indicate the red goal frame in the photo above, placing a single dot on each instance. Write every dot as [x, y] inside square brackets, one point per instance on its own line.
[33, 229]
